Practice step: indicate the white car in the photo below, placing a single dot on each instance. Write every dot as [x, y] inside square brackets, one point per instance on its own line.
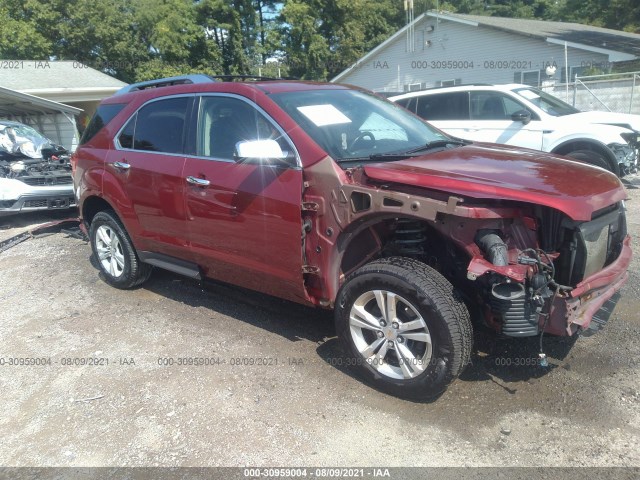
[35, 174]
[524, 116]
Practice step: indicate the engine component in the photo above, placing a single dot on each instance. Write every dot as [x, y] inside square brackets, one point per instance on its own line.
[18, 167]
[493, 247]
[517, 314]
[507, 291]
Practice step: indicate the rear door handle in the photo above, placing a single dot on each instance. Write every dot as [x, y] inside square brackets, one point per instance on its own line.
[200, 182]
[121, 165]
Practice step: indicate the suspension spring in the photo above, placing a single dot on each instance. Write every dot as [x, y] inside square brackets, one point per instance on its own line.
[409, 237]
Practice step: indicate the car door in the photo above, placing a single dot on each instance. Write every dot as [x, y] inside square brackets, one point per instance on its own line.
[147, 166]
[490, 121]
[447, 111]
[244, 218]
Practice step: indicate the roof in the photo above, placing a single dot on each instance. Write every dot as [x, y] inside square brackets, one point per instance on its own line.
[17, 103]
[173, 86]
[619, 45]
[505, 87]
[577, 33]
[39, 75]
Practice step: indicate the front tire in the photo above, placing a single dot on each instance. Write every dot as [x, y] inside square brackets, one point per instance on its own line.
[404, 326]
[114, 252]
[592, 158]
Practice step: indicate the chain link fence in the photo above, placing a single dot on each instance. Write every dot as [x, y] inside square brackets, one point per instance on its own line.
[617, 92]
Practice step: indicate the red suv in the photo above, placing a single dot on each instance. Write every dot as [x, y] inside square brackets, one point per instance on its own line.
[328, 195]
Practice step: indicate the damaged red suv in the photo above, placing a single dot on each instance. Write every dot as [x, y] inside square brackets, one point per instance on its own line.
[328, 195]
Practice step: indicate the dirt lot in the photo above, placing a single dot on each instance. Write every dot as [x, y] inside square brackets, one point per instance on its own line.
[300, 406]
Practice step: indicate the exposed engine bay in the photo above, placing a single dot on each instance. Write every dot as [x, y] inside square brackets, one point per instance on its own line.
[524, 281]
[27, 156]
[567, 253]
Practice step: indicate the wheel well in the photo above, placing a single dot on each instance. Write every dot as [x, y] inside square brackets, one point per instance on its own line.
[91, 206]
[406, 237]
[590, 145]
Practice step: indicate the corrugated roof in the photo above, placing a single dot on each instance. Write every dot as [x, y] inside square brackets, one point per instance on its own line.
[598, 37]
[31, 75]
[16, 103]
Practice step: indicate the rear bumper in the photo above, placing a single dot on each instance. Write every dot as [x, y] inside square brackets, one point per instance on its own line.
[575, 312]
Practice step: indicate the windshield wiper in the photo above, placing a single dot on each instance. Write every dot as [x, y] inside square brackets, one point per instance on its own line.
[436, 144]
[414, 151]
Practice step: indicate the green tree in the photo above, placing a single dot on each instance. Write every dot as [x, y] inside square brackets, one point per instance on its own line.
[19, 36]
[360, 26]
[223, 26]
[268, 38]
[305, 47]
[616, 14]
[323, 37]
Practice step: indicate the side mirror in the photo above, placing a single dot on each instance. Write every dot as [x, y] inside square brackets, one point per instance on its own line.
[523, 116]
[261, 151]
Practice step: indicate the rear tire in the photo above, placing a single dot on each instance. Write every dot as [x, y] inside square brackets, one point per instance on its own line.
[404, 327]
[114, 252]
[592, 158]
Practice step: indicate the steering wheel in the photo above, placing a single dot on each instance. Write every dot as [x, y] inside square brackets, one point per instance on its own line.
[365, 138]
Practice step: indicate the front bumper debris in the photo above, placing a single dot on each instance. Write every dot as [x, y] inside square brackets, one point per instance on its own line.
[70, 223]
[575, 312]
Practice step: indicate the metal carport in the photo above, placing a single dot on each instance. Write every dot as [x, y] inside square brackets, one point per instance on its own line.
[54, 120]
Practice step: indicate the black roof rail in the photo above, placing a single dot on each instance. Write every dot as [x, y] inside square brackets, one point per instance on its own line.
[166, 82]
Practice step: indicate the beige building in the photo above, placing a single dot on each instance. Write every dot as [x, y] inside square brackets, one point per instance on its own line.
[55, 97]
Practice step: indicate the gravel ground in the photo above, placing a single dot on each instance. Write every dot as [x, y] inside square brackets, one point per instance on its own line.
[302, 407]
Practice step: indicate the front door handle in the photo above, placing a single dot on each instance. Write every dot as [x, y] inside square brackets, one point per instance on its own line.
[200, 182]
[121, 165]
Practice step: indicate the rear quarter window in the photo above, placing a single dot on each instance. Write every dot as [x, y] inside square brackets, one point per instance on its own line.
[445, 106]
[158, 126]
[104, 114]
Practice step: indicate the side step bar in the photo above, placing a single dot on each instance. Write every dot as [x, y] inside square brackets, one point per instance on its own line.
[176, 265]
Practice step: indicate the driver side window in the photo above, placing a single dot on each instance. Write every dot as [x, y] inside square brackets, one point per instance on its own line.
[226, 121]
[493, 106]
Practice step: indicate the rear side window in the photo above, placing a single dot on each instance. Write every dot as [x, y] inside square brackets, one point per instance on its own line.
[126, 136]
[445, 106]
[157, 127]
[104, 114]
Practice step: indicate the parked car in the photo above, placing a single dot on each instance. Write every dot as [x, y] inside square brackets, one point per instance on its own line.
[328, 195]
[524, 116]
[35, 174]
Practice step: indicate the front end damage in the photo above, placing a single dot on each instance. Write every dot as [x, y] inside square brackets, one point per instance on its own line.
[564, 282]
[525, 268]
[34, 177]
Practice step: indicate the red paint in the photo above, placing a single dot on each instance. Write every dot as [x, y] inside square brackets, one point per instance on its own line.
[245, 228]
[486, 171]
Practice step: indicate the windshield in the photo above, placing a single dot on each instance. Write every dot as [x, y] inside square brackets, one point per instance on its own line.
[350, 124]
[546, 102]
